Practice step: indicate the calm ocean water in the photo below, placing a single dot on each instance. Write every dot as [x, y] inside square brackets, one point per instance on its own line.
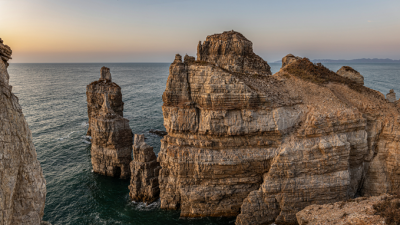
[53, 99]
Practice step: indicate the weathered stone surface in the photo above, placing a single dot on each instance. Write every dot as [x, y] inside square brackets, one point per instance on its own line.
[95, 96]
[22, 185]
[266, 147]
[355, 211]
[111, 134]
[289, 58]
[144, 172]
[391, 96]
[352, 74]
[232, 51]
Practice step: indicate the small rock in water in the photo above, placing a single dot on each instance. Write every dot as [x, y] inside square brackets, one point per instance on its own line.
[158, 132]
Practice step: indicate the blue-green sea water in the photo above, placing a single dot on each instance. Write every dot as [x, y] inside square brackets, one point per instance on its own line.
[53, 99]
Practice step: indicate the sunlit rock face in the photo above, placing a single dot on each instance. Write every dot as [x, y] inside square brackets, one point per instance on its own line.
[264, 147]
[22, 185]
[145, 169]
[111, 135]
[350, 73]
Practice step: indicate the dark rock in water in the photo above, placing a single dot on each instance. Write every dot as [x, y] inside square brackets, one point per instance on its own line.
[111, 135]
[158, 132]
[22, 184]
[144, 185]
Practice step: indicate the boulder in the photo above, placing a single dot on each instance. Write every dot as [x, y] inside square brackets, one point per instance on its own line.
[391, 96]
[352, 74]
[289, 59]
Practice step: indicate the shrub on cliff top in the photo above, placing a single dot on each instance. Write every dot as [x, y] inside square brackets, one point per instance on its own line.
[389, 209]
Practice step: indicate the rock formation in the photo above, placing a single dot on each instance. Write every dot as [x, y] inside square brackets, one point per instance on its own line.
[144, 172]
[391, 96]
[289, 59]
[266, 147]
[232, 51]
[352, 74]
[95, 91]
[354, 211]
[111, 134]
[22, 185]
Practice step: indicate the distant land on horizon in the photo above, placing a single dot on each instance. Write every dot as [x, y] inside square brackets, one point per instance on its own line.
[363, 60]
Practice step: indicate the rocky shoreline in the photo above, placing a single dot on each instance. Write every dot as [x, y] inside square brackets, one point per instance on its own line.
[295, 147]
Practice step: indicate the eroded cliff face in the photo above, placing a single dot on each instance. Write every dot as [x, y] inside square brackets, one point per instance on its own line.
[265, 147]
[145, 169]
[22, 185]
[111, 135]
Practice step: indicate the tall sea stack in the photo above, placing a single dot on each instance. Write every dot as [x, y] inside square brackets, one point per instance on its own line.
[110, 132]
[262, 147]
[22, 185]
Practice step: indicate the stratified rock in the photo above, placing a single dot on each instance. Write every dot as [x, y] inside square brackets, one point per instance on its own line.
[111, 134]
[269, 146]
[95, 95]
[232, 51]
[5, 53]
[391, 96]
[22, 185]
[354, 211]
[144, 172]
[289, 58]
[352, 74]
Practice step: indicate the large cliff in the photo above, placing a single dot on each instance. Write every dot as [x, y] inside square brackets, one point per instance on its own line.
[22, 185]
[111, 135]
[265, 147]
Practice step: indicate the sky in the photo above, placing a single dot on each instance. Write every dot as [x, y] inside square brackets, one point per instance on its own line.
[40, 31]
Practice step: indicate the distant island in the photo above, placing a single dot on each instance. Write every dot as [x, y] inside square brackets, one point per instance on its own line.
[363, 60]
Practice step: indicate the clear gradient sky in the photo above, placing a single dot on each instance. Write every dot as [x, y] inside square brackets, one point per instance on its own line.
[155, 30]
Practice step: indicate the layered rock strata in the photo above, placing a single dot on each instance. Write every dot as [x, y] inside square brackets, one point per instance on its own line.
[352, 74]
[355, 211]
[111, 135]
[22, 185]
[265, 147]
[391, 96]
[232, 51]
[144, 172]
[95, 92]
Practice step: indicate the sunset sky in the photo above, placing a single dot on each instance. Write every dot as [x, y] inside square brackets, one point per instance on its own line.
[155, 30]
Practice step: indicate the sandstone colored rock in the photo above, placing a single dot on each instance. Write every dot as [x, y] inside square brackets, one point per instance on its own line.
[354, 211]
[266, 147]
[391, 96]
[22, 185]
[95, 96]
[352, 74]
[144, 172]
[289, 59]
[111, 135]
[232, 51]
[5, 53]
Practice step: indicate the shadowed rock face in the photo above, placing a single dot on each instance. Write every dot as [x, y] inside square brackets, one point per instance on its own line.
[111, 134]
[265, 147]
[350, 73]
[232, 51]
[144, 172]
[22, 185]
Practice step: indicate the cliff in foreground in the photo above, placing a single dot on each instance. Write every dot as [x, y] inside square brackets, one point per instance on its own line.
[22, 185]
[262, 147]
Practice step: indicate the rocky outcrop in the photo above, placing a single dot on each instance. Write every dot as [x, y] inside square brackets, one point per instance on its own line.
[391, 96]
[22, 185]
[266, 147]
[111, 134]
[144, 172]
[354, 211]
[289, 58]
[352, 74]
[95, 92]
[232, 51]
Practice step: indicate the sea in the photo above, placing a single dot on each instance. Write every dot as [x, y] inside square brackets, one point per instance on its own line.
[53, 99]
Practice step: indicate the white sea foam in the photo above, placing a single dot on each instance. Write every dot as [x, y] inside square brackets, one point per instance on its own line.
[141, 206]
[84, 124]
